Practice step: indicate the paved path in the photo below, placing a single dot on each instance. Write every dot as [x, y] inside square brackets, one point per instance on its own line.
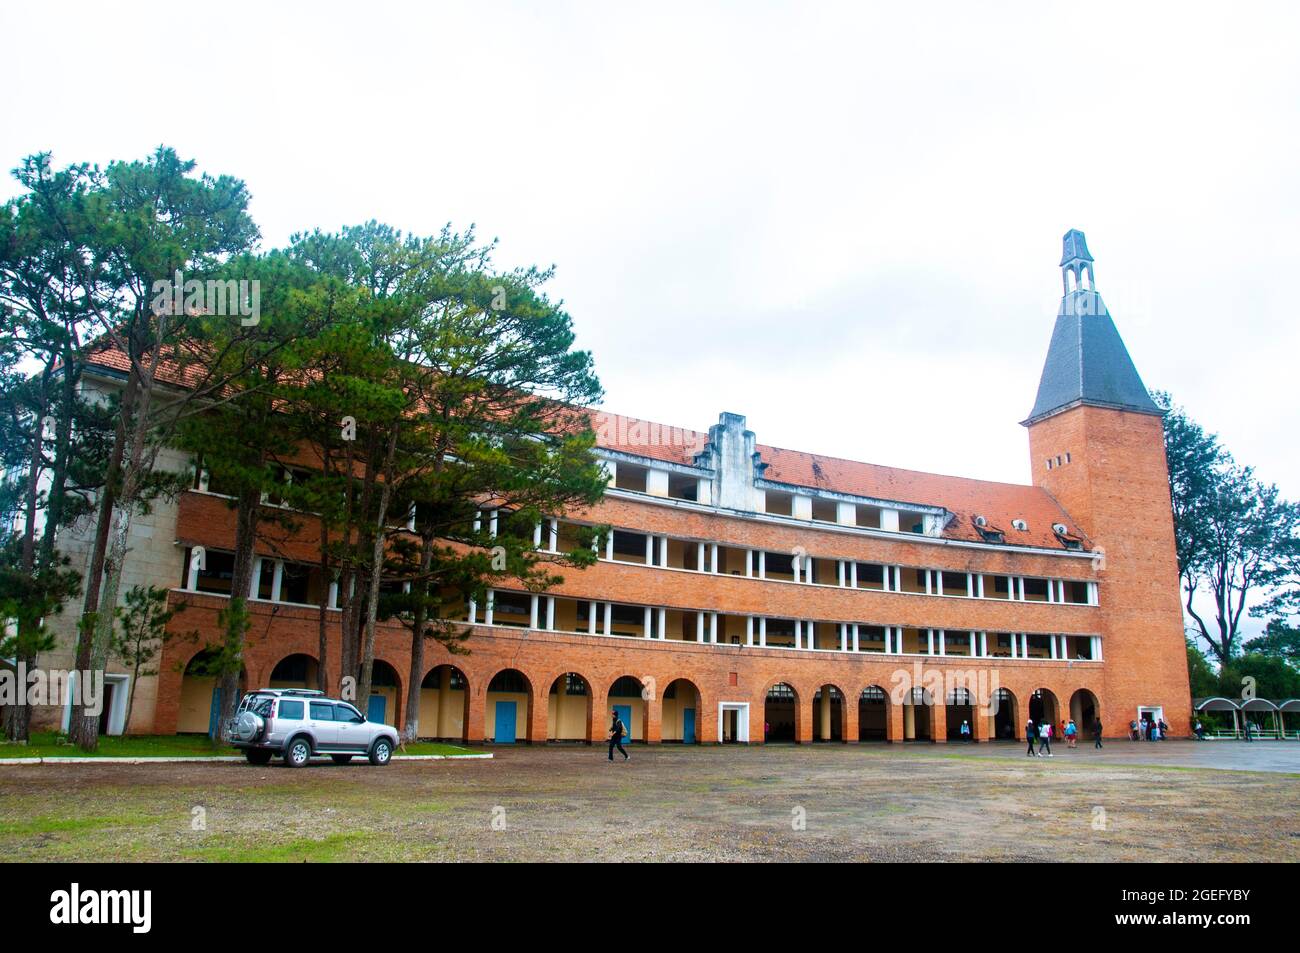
[915, 802]
[1281, 756]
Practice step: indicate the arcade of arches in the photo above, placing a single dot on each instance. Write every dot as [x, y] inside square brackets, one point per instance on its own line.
[510, 705]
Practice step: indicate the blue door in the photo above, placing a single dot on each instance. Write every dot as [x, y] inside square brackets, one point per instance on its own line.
[625, 715]
[377, 709]
[688, 726]
[214, 716]
[505, 729]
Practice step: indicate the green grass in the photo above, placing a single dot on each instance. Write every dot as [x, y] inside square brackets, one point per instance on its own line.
[49, 744]
[51, 824]
[334, 847]
[434, 747]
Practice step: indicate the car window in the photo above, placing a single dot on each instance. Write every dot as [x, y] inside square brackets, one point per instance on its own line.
[262, 706]
[290, 709]
[347, 713]
[322, 711]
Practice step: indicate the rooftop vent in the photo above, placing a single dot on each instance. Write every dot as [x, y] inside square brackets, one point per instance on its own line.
[981, 522]
[1020, 525]
[1060, 529]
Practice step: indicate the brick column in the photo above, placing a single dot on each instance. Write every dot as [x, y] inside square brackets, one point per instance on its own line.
[803, 716]
[476, 706]
[654, 715]
[938, 722]
[981, 724]
[757, 716]
[595, 734]
[894, 722]
[537, 717]
[850, 720]
[706, 723]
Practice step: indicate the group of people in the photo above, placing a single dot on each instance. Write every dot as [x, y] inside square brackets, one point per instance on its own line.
[1045, 731]
[1152, 730]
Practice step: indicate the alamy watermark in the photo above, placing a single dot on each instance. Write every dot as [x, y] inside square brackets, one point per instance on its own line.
[224, 298]
[54, 686]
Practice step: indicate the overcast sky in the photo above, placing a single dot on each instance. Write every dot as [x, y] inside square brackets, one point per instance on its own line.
[842, 223]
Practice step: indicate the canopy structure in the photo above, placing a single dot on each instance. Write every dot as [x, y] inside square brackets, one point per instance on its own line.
[1241, 707]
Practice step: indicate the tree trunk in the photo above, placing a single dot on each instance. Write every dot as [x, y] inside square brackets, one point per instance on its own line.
[18, 722]
[411, 730]
[83, 729]
[247, 513]
[376, 571]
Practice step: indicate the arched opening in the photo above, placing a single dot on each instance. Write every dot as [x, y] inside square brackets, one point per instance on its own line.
[295, 671]
[917, 710]
[444, 703]
[568, 708]
[383, 706]
[681, 712]
[779, 713]
[960, 710]
[505, 717]
[873, 714]
[1043, 708]
[200, 705]
[627, 698]
[828, 714]
[1006, 725]
[1084, 709]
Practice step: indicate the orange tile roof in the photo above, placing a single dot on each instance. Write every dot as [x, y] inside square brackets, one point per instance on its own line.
[999, 503]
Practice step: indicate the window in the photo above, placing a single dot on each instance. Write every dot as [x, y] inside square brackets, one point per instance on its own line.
[290, 709]
[322, 711]
[779, 503]
[825, 511]
[574, 684]
[511, 608]
[683, 487]
[295, 583]
[348, 714]
[630, 546]
[508, 681]
[625, 687]
[631, 477]
[217, 573]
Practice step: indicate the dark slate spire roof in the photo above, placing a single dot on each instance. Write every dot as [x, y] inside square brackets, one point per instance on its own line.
[1087, 362]
[1074, 246]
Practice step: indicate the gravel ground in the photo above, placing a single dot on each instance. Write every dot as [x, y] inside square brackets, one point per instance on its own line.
[851, 803]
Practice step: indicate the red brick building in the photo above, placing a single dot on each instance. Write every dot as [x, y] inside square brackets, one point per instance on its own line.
[750, 592]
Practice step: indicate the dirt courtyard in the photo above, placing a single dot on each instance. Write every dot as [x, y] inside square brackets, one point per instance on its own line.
[832, 803]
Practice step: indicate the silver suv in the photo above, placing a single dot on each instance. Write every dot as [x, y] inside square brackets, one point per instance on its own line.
[297, 723]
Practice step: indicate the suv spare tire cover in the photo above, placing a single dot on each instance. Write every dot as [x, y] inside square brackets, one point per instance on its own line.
[248, 726]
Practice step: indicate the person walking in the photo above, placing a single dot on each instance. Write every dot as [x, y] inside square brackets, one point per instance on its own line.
[616, 732]
[1096, 733]
[965, 730]
[1132, 731]
[1070, 732]
[1045, 739]
[1249, 728]
[1200, 730]
[1164, 729]
[1030, 731]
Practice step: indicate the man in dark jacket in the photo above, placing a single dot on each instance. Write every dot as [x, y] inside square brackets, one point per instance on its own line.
[616, 732]
[1096, 732]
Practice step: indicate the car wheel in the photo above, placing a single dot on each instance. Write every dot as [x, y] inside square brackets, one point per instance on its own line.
[381, 752]
[298, 753]
[341, 758]
[257, 755]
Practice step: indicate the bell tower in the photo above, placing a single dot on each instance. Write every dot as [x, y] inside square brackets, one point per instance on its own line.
[1096, 443]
